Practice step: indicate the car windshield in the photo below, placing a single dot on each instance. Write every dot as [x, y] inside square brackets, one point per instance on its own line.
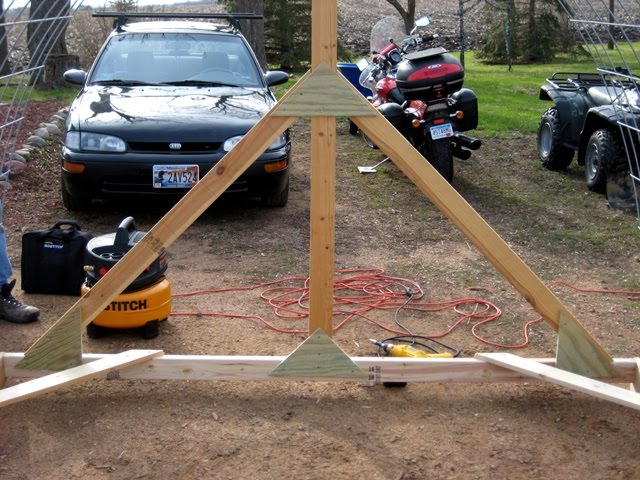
[176, 59]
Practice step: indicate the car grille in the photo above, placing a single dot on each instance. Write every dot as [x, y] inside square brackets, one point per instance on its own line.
[164, 147]
[139, 184]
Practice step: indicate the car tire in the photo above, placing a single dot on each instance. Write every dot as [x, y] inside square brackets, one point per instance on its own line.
[74, 203]
[603, 149]
[277, 199]
[553, 155]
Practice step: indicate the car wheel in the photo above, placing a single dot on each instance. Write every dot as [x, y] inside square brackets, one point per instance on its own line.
[603, 148]
[74, 203]
[553, 155]
[277, 199]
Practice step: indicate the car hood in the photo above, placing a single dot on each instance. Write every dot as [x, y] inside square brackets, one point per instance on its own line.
[152, 113]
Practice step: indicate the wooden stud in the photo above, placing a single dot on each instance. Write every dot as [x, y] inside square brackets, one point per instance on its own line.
[33, 388]
[3, 377]
[570, 380]
[473, 226]
[318, 357]
[259, 368]
[49, 351]
[635, 384]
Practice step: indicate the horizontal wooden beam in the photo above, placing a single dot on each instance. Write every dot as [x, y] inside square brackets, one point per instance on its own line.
[82, 373]
[379, 369]
[557, 376]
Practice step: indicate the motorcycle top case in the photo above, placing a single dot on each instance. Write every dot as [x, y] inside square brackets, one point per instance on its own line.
[429, 75]
[53, 259]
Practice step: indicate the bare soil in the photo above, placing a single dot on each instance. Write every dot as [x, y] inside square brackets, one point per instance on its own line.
[122, 429]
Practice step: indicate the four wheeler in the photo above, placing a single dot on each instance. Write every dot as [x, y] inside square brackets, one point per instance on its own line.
[584, 119]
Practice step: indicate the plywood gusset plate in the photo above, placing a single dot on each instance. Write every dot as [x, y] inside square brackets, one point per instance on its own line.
[318, 357]
[321, 94]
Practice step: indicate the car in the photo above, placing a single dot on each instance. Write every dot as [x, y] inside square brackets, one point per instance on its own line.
[588, 109]
[162, 103]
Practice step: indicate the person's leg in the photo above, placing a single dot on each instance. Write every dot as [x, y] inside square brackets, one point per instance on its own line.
[11, 309]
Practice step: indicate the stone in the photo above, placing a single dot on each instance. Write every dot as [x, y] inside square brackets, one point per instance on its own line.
[52, 128]
[41, 132]
[36, 141]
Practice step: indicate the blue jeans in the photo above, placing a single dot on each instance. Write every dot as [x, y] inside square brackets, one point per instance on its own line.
[5, 264]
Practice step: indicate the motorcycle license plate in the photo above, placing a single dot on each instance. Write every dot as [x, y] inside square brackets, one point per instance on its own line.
[175, 176]
[441, 131]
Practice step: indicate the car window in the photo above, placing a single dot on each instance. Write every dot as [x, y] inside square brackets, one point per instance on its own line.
[176, 58]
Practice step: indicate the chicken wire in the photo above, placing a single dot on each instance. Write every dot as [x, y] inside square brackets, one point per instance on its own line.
[608, 29]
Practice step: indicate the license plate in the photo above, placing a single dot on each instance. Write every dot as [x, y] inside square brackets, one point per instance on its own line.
[175, 176]
[441, 131]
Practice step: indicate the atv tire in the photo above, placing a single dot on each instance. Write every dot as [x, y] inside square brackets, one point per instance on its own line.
[603, 149]
[553, 155]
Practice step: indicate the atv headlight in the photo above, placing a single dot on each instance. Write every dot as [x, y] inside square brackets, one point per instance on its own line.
[631, 99]
[280, 142]
[94, 142]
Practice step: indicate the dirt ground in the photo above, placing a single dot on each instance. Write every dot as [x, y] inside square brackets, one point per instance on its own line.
[125, 429]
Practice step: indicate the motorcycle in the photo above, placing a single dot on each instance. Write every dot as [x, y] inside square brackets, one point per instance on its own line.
[419, 91]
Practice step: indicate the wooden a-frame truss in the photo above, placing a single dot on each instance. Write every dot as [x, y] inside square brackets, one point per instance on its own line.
[322, 94]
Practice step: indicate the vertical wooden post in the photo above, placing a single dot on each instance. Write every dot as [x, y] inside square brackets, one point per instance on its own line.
[323, 177]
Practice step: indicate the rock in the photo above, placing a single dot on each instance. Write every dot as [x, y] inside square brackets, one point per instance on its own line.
[52, 128]
[41, 132]
[15, 167]
[36, 141]
[24, 152]
[17, 157]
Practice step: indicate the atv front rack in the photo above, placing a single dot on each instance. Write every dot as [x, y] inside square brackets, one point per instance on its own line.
[583, 80]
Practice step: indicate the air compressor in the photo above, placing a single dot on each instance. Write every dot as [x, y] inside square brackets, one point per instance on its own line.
[145, 302]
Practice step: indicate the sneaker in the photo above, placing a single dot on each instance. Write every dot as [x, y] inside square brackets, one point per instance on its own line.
[12, 310]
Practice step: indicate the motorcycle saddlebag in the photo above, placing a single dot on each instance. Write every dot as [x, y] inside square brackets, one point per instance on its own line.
[427, 76]
[466, 101]
[53, 259]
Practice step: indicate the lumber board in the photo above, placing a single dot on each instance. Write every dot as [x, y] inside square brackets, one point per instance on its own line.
[635, 384]
[570, 380]
[258, 368]
[318, 357]
[473, 227]
[322, 224]
[48, 351]
[3, 378]
[81, 373]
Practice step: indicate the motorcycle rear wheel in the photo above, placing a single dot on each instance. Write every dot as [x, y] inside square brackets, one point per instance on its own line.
[439, 153]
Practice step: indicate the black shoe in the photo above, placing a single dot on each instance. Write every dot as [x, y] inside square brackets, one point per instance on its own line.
[12, 310]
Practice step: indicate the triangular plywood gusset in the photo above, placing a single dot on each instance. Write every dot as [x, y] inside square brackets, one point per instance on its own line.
[321, 94]
[318, 357]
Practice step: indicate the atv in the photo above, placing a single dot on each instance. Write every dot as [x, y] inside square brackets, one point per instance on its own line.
[586, 116]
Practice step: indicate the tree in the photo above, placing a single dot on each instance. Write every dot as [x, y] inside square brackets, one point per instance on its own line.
[253, 30]
[48, 21]
[408, 15]
[4, 49]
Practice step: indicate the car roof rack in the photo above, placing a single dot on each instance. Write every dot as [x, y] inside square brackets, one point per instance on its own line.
[123, 17]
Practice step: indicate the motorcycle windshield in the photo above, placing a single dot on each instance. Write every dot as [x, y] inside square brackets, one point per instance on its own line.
[387, 30]
[366, 79]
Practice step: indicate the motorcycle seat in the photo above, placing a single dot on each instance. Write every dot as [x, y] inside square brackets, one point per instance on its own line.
[604, 95]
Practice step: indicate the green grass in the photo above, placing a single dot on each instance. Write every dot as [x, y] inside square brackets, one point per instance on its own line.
[508, 101]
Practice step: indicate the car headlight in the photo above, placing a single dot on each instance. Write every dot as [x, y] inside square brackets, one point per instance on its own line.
[280, 142]
[94, 142]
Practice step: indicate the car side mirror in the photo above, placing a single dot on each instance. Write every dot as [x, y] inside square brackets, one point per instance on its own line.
[77, 77]
[276, 77]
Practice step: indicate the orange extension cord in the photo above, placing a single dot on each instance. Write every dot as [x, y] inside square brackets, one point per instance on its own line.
[358, 292]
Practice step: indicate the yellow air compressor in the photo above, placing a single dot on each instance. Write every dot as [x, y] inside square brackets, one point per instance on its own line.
[145, 302]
